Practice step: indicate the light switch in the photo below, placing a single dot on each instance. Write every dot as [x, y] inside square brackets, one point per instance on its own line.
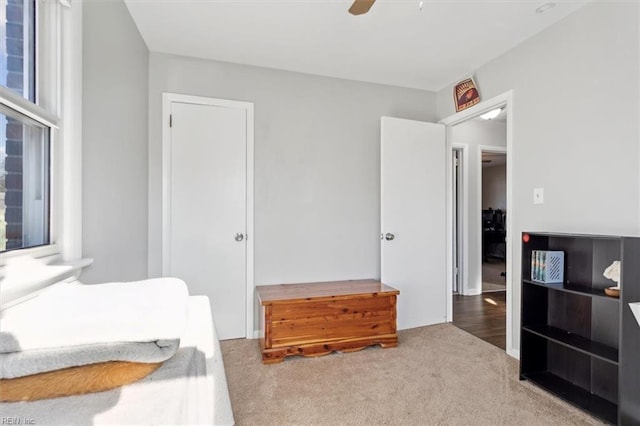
[538, 195]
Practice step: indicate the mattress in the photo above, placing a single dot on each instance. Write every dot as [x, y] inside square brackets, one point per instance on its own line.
[189, 389]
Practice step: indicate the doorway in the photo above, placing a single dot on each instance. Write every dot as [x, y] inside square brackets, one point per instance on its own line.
[208, 203]
[484, 312]
[494, 215]
[480, 308]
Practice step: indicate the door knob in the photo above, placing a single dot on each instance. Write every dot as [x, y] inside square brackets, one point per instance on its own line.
[239, 236]
[389, 236]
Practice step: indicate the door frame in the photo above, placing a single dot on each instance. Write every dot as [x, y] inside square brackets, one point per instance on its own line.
[463, 223]
[167, 100]
[503, 100]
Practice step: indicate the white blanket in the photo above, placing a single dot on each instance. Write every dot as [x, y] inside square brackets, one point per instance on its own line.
[189, 389]
[73, 324]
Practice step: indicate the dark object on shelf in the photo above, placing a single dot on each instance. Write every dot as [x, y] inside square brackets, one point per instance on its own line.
[576, 341]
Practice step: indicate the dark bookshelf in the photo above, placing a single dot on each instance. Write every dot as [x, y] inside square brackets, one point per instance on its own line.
[575, 341]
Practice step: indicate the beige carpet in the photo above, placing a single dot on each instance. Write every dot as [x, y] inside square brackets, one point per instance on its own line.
[438, 375]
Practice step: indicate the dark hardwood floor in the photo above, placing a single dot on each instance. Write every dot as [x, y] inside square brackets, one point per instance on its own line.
[484, 316]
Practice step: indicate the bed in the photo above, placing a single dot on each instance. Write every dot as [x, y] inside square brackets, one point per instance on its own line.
[190, 388]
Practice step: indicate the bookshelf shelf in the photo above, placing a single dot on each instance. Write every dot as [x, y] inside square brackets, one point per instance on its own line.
[583, 290]
[576, 342]
[576, 395]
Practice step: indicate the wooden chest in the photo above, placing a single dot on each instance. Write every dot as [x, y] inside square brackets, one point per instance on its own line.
[315, 319]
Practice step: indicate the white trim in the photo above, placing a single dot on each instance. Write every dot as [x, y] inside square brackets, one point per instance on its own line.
[478, 109]
[448, 225]
[69, 199]
[465, 218]
[49, 49]
[167, 100]
[30, 252]
[26, 277]
[463, 211]
[511, 236]
[250, 223]
[27, 108]
[506, 100]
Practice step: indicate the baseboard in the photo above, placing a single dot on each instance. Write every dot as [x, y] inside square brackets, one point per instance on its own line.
[515, 353]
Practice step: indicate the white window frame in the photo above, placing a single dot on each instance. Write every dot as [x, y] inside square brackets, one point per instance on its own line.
[24, 107]
[59, 107]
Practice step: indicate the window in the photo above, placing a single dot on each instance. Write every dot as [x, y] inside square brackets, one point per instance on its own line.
[18, 50]
[40, 145]
[24, 196]
[25, 133]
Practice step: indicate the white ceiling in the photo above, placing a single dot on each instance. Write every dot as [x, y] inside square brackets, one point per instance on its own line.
[395, 43]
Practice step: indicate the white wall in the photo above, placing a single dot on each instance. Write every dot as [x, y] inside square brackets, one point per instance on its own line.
[114, 164]
[575, 126]
[317, 163]
[476, 134]
[494, 187]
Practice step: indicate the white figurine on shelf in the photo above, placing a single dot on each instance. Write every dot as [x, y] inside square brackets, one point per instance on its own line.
[635, 308]
[613, 272]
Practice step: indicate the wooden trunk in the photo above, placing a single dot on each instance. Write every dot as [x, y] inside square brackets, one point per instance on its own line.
[314, 319]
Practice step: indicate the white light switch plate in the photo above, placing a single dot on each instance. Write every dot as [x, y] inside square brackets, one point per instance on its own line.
[635, 308]
[538, 195]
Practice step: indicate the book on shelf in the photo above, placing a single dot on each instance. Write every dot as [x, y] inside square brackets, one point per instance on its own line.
[547, 266]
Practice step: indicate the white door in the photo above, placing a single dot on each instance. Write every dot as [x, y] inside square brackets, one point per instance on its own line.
[207, 191]
[413, 218]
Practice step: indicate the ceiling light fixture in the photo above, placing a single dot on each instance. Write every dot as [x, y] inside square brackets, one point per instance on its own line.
[491, 114]
[420, 3]
[545, 7]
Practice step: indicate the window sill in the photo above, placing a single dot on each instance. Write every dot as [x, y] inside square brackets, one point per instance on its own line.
[23, 278]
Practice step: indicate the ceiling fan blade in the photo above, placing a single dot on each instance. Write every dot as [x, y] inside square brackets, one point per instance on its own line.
[360, 7]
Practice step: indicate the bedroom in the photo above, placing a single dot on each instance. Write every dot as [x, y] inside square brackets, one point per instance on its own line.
[318, 181]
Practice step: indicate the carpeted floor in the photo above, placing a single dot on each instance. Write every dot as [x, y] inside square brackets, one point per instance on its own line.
[438, 375]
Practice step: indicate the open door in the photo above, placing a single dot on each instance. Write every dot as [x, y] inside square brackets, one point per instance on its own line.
[413, 218]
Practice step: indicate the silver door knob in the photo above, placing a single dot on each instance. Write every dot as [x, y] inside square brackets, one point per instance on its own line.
[239, 236]
[389, 236]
